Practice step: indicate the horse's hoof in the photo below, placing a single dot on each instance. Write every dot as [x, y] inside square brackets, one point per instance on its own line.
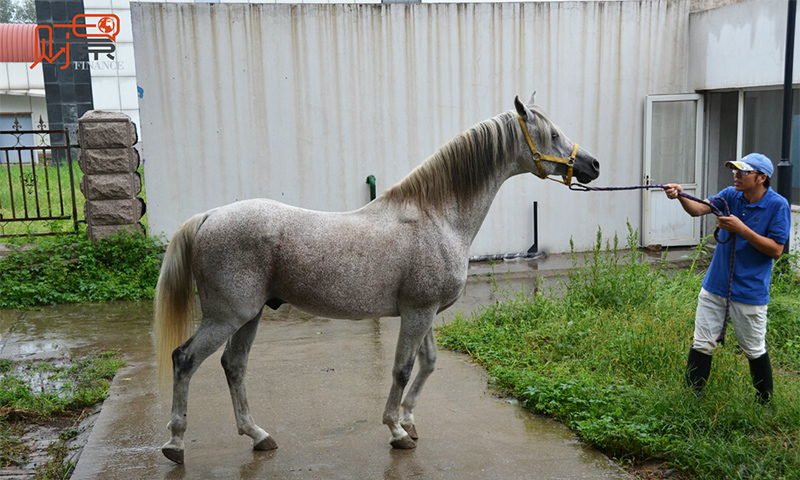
[266, 444]
[411, 430]
[405, 443]
[173, 453]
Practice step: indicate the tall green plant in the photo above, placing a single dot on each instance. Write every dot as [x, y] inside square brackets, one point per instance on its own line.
[610, 277]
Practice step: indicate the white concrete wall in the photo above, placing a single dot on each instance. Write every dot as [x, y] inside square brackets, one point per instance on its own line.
[114, 83]
[34, 105]
[22, 90]
[301, 102]
[16, 78]
[740, 45]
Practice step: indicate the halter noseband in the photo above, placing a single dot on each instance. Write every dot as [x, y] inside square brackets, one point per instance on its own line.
[538, 157]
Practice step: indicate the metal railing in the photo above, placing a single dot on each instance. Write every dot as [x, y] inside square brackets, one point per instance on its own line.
[37, 185]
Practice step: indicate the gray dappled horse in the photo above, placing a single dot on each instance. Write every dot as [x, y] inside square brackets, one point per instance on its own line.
[404, 254]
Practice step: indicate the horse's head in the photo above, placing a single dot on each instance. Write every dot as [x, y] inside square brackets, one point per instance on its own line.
[549, 151]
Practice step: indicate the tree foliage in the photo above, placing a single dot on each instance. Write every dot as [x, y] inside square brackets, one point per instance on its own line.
[17, 11]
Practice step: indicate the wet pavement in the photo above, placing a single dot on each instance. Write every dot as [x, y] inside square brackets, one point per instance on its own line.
[318, 386]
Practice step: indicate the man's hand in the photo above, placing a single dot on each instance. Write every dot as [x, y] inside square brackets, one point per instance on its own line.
[672, 190]
[732, 224]
[763, 244]
[695, 209]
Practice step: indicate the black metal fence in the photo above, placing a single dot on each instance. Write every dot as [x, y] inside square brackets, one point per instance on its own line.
[37, 184]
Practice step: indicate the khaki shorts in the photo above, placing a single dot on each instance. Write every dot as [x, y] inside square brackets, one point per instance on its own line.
[749, 322]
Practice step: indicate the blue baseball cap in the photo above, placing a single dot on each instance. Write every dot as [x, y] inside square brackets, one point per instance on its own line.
[753, 161]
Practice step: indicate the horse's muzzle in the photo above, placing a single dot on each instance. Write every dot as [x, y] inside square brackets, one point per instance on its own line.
[587, 170]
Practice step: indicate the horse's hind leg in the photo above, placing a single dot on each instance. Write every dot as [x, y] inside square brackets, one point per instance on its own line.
[234, 362]
[185, 361]
[427, 363]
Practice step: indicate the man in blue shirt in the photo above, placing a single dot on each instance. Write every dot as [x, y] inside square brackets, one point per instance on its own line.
[760, 219]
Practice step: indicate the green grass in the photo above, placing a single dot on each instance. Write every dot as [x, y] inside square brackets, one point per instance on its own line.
[70, 268]
[606, 356]
[50, 204]
[47, 392]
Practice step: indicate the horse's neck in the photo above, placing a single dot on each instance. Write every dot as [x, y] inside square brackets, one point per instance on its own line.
[458, 184]
[468, 217]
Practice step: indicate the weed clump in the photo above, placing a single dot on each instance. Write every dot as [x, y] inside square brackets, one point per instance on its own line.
[70, 268]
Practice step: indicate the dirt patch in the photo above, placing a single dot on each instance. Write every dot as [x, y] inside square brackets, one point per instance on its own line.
[69, 434]
[653, 470]
[6, 248]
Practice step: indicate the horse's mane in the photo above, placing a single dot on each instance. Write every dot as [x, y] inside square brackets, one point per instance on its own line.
[462, 167]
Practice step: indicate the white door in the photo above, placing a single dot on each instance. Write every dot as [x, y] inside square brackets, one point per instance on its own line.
[673, 154]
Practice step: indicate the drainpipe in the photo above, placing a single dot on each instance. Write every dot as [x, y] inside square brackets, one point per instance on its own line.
[785, 165]
[534, 250]
[371, 182]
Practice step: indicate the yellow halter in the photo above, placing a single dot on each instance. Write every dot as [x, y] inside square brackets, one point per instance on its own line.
[538, 157]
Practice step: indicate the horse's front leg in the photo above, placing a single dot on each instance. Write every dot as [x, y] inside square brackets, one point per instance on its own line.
[234, 362]
[427, 364]
[185, 361]
[414, 325]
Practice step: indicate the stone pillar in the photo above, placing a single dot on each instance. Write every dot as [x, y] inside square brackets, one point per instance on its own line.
[110, 181]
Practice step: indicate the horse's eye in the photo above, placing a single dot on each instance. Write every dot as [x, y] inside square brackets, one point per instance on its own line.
[555, 135]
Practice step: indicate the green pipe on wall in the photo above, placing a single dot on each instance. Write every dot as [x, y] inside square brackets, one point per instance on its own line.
[371, 182]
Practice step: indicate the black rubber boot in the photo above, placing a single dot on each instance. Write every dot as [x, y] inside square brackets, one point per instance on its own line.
[698, 369]
[761, 371]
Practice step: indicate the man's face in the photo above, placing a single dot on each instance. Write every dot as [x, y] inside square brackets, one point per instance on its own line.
[746, 180]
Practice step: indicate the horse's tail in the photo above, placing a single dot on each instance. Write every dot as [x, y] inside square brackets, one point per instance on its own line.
[174, 300]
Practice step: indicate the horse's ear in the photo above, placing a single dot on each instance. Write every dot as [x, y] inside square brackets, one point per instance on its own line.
[531, 101]
[521, 110]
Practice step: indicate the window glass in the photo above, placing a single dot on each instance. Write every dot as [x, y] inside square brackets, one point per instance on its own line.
[763, 118]
[673, 142]
[723, 128]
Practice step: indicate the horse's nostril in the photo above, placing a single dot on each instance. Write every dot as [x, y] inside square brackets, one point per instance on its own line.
[596, 165]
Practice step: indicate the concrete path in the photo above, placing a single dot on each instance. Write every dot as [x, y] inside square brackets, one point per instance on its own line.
[319, 387]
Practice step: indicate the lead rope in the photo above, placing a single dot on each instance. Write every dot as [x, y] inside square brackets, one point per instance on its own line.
[716, 211]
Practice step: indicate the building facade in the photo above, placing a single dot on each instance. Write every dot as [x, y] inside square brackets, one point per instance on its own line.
[301, 102]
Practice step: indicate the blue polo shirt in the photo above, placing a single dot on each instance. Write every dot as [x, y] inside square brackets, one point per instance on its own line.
[769, 217]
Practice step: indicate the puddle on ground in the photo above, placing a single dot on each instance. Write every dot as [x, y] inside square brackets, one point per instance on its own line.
[41, 377]
[72, 330]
